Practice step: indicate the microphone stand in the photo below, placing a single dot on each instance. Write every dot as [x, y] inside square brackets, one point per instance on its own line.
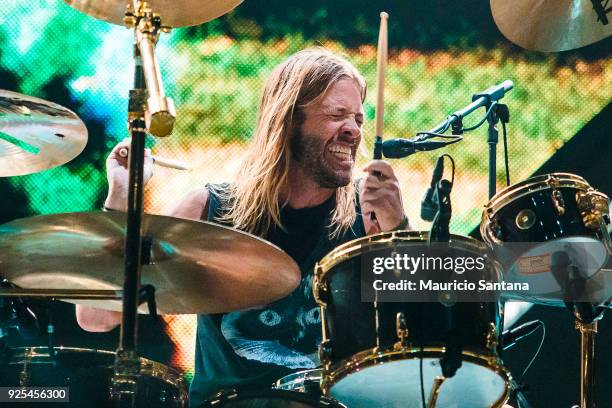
[495, 112]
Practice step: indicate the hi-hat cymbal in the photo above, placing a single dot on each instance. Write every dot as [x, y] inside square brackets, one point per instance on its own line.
[551, 25]
[195, 267]
[36, 135]
[174, 13]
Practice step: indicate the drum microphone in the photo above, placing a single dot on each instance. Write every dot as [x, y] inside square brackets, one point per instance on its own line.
[512, 336]
[494, 93]
[399, 148]
[428, 206]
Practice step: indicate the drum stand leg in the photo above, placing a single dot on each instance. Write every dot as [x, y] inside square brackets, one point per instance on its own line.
[588, 332]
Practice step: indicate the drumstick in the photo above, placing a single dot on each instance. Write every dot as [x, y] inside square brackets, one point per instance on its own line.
[381, 66]
[160, 161]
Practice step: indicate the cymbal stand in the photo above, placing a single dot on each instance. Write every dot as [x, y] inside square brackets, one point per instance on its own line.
[586, 324]
[157, 117]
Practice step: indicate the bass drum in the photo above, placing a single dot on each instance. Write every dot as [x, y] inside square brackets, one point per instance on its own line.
[274, 398]
[373, 358]
[87, 374]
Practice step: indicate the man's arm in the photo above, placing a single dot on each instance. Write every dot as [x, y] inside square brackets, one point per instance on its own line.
[97, 320]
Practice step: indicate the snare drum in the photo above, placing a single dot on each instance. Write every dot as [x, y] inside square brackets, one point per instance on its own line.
[87, 374]
[273, 398]
[528, 222]
[370, 361]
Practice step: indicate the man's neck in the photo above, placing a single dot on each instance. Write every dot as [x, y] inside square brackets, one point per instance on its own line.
[305, 192]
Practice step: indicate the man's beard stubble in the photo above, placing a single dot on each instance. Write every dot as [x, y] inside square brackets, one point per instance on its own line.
[309, 152]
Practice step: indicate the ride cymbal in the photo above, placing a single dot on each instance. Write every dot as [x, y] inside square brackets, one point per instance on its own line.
[195, 267]
[36, 135]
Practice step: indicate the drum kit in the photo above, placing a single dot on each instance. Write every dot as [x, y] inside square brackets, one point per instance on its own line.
[399, 354]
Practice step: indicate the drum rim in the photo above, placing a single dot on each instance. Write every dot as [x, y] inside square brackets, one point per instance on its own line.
[372, 357]
[357, 246]
[148, 367]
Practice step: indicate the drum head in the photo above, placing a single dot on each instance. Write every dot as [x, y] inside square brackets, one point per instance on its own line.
[397, 384]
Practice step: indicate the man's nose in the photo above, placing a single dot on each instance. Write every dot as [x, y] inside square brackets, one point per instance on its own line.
[351, 129]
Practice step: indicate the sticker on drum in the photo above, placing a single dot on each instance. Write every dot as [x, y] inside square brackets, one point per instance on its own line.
[307, 381]
[397, 384]
[273, 398]
[87, 373]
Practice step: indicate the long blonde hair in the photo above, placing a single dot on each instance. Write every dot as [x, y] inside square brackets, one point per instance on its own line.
[263, 178]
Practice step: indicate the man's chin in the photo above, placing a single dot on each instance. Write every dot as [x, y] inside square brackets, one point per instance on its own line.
[335, 182]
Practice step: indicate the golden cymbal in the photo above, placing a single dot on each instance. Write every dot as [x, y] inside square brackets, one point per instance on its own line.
[36, 135]
[551, 25]
[174, 13]
[195, 267]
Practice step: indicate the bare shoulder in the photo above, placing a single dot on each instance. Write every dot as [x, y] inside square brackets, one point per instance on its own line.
[191, 207]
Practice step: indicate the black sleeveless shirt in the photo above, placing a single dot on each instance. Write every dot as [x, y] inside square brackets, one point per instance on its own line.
[251, 349]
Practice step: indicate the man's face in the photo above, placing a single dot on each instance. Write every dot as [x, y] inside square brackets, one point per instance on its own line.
[326, 143]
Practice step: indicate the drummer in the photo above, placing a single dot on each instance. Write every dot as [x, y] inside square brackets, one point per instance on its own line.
[296, 190]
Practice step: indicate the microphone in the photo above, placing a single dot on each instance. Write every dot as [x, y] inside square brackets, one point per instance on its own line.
[511, 337]
[494, 93]
[428, 206]
[399, 148]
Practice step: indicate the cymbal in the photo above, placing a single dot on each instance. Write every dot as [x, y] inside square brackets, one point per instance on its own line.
[36, 135]
[174, 13]
[195, 267]
[550, 25]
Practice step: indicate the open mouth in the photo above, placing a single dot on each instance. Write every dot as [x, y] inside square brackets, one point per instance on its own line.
[343, 154]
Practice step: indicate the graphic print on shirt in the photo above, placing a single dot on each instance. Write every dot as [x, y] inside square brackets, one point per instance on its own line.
[285, 333]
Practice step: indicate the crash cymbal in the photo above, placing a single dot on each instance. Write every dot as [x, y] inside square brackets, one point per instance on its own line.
[195, 267]
[551, 25]
[174, 13]
[36, 135]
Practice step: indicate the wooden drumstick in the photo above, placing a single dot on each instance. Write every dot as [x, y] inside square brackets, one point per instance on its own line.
[381, 67]
[160, 161]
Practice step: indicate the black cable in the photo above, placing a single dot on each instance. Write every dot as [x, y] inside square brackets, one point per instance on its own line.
[422, 381]
[506, 154]
[476, 126]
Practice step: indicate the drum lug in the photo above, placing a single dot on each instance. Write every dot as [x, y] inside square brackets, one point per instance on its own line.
[402, 331]
[593, 207]
[558, 202]
[319, 287]
[494, 230]
[492, 337]
[325, 354]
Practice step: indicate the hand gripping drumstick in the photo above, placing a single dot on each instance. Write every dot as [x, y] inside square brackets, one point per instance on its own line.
[160, 161]
[381, 66]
